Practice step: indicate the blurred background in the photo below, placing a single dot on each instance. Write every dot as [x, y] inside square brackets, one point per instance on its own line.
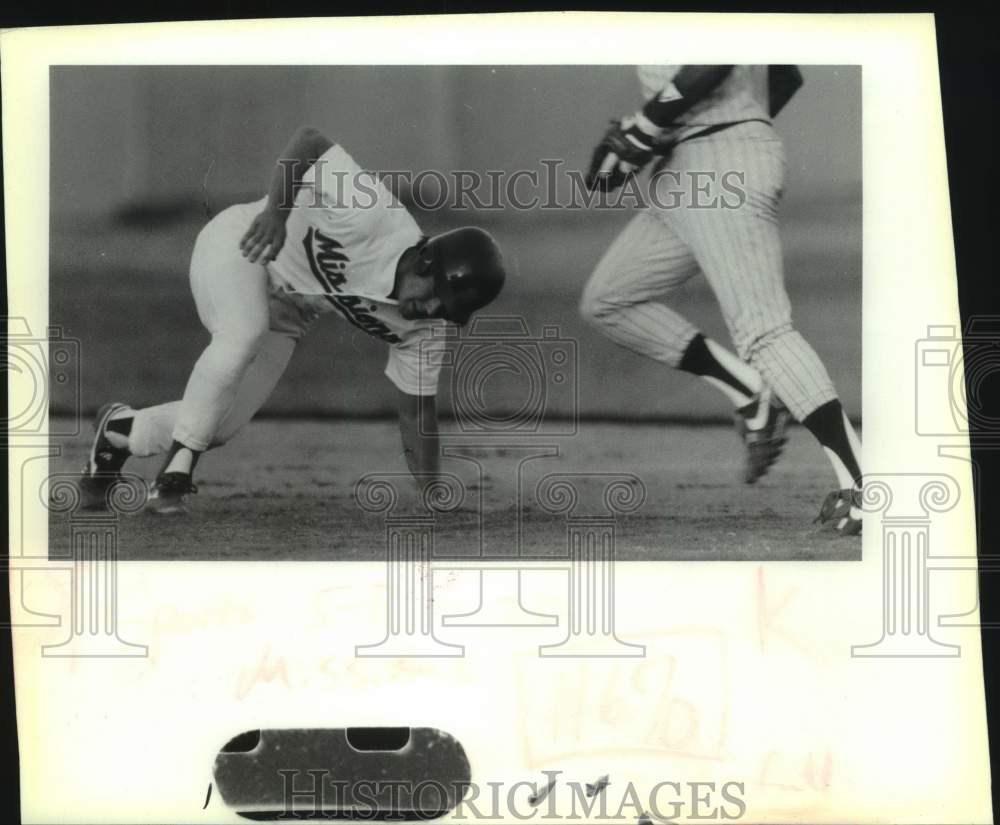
[141, 157]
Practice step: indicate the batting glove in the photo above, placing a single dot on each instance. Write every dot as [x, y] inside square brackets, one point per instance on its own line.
[625, 149]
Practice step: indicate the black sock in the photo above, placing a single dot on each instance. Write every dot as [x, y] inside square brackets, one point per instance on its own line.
[122, 426]
[826, 422]
[175, 448]
[698, 360]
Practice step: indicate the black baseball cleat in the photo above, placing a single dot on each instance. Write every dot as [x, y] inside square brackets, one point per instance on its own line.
[105, 461]
[762, 424]
[168, 494]
[841, 512]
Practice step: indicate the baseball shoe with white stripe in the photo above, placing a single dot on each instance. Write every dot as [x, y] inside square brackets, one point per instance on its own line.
[168, 494]
[762, 424]
[841, 512]
[108, 454]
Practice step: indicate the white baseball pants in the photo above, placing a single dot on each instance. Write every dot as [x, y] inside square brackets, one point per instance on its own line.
[253, 337]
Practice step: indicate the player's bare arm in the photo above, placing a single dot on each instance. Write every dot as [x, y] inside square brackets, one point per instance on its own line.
[782, 84]
[266, 235]
[418, 427]
[628, 145]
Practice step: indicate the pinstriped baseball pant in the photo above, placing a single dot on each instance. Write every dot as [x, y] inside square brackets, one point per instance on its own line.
[734, 242]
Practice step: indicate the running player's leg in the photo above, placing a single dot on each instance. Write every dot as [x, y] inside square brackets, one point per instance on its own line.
[739, 251]
[646, 261]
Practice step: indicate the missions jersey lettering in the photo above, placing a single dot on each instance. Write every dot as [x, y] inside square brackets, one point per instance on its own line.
[329, 263]
[327, 259]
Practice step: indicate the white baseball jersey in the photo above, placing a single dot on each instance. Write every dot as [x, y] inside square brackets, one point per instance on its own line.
[742, 95]
[346, 233]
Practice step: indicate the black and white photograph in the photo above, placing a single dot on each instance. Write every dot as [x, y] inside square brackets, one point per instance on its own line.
[482, 281]
[378, 384]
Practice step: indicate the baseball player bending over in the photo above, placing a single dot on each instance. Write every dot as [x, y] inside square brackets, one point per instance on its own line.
[717, 119]
[353, 250]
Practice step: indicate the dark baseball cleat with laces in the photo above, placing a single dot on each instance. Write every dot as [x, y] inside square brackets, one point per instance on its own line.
[168, 494]
[841, 512]
[762, 424]
[108, 454]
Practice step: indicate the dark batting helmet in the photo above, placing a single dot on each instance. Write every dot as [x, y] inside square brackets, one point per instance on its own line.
[467, 268]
